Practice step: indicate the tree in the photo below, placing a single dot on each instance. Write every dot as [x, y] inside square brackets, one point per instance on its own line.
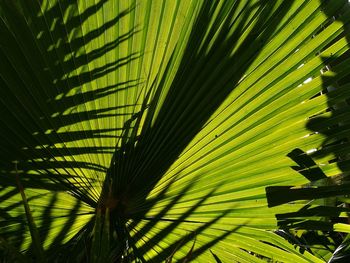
[173, 130]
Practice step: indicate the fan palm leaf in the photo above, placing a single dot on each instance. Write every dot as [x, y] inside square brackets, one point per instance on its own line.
[160, 130]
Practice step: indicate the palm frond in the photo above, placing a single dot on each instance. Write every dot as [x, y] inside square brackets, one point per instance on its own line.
[139, 125]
